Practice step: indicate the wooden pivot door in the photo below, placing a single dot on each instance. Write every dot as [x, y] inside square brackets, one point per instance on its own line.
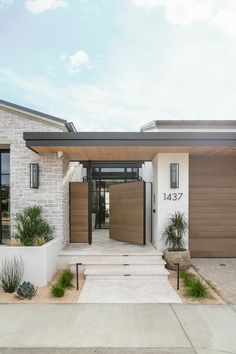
[78, 212]
[127, 212]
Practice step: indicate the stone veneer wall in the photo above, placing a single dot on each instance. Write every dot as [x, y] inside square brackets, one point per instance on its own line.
[53, 191]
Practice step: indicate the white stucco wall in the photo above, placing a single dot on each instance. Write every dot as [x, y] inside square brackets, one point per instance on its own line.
[161, 184]
[40, 262]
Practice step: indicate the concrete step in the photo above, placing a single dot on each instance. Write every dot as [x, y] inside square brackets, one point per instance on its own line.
[130, 277]
[133, 250]
[126, 270]
[116, 260]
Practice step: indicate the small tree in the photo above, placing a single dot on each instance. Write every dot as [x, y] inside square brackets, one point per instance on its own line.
[175, 231]
[30, 225]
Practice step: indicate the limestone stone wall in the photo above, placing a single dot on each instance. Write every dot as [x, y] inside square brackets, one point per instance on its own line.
[53, 191]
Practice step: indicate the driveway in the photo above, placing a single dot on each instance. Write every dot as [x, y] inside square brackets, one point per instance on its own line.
[117, 329]
[221, 273]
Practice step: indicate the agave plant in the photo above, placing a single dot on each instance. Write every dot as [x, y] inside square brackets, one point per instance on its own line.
[26, 290]
[175, 231]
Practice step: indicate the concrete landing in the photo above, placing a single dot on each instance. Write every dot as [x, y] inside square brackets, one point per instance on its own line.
[128, 290]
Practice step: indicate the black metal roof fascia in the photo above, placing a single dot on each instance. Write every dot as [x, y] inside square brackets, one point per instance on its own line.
[32, 111]
[131, 139]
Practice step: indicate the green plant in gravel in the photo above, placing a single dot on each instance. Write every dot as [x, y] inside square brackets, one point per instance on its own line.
[30, 225]
[57, 290]
[12, 269]
[197, 289]
[66, 279]
[186, 277]
[194, 286]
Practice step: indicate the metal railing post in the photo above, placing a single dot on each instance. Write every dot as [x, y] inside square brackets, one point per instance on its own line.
[77, 275]
[177, 265]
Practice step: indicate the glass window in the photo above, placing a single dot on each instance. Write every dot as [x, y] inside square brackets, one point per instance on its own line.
[5, 163]
[5, 181]
[4, 196]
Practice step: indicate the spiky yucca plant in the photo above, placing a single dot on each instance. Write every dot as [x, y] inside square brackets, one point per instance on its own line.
[31, 226]
[175, 231]
[12, 269]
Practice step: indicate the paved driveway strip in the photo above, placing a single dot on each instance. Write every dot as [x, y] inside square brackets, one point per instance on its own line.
[209, 327]
[117, 329]
[221, 273]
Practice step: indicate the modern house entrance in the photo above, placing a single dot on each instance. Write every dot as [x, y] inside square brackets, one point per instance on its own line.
[204, 190]
[112, 197]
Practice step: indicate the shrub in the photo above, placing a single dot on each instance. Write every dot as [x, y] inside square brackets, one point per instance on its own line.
[187, 278]
[66, 279]
[57, 290]
[175, 230]
[12, 270]
[30, 225]
[194, 286]
[197, 289]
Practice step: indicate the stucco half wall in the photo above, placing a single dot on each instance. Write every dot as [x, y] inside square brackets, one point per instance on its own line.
[40, 262]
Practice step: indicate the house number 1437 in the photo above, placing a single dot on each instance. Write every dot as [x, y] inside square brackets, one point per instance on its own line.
[173, 196]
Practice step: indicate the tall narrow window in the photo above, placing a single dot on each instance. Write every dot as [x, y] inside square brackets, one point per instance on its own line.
[4, 196]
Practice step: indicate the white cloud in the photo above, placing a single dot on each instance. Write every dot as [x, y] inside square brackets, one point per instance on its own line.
[221, 15]
[6, 2]
[225, 20]
[64, 56]
[38, 6]
[78, 60]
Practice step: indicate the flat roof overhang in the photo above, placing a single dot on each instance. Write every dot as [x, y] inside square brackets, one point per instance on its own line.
[141, 146]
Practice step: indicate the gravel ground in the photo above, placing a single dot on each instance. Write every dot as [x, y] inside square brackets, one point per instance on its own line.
[43, 295]
[213, 298]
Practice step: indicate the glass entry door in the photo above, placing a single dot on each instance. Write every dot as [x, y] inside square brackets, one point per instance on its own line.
[102, 179]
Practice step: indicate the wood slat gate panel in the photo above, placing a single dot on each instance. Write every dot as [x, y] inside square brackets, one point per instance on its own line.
[212, 206]
[127, 212]
[78, 212]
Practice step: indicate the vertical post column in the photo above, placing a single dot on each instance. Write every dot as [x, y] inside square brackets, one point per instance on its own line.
[171, 198]
[90, 202]
[168, 198]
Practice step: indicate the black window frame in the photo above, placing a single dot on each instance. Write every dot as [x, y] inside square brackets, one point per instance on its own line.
[100, 176]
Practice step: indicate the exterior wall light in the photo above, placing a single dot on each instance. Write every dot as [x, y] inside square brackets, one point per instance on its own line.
[34, 175]
[174, 175]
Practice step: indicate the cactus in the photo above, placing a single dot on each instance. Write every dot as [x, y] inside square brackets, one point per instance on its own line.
[26, 290]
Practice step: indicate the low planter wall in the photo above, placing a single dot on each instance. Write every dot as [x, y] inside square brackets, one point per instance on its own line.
[40, 262]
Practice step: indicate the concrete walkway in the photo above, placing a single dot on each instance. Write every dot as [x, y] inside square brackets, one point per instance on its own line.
[221, 273]
[118, 329]
[133, 290]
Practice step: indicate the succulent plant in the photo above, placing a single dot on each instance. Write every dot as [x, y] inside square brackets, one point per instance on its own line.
[26, 290]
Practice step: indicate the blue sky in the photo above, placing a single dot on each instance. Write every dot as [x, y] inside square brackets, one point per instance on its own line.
[113, 65]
